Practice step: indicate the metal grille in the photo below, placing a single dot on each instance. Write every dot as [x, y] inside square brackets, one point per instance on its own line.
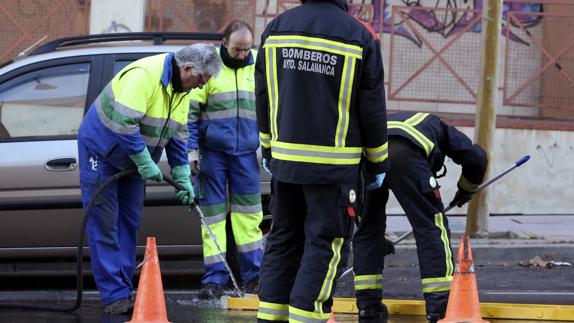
[539, 70]
[197, 15]
[433, 62]
[24, 22]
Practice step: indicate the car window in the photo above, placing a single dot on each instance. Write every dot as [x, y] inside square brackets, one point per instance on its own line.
[118, 65]
[45, 102]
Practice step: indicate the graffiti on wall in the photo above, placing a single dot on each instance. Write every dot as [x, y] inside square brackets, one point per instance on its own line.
[444, 22]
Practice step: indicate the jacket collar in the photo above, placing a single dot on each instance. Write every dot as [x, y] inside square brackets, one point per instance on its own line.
[235, 63]
[167, 70]
[339, 3]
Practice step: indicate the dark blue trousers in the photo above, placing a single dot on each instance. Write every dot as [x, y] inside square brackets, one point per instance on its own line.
[114, 220]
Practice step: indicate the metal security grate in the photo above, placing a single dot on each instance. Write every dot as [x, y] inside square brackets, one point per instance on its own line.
[24, 22]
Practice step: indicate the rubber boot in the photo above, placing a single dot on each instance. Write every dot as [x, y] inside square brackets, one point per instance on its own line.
[376, 314]
[210, 291]
[435, 317]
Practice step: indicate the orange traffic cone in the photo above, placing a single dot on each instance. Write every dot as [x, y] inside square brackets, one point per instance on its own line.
[150, 301]
[332, 318]
[463, 304]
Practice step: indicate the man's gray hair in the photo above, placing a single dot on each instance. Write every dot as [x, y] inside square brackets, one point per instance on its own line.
[203, 57]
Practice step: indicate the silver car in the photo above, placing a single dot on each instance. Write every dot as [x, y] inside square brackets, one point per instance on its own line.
[43, 98]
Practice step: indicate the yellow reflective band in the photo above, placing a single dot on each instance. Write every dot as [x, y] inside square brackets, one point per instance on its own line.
[246, 226]
[363, 282]
[327, 286]
[416, 118]
[273, 311]
[316, 154]
[362, 277]
[343, 106]
[264, 140]
[264, 135]
[315, 44]
[427, 145]
[298, 315]
[439, 222]
[436, 289]
[445, 279]
[275, 133]
[209, 248]
[436, 284]
[378, 154]
[272, 88]
[467, 185]
[349, 95]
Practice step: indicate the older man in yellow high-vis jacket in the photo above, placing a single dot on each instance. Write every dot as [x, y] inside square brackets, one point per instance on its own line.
[140, 112]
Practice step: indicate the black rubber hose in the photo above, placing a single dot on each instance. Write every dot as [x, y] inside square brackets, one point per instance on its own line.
[79, 254]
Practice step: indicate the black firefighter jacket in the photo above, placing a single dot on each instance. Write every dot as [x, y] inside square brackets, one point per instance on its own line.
[436, 139]
[319, 95]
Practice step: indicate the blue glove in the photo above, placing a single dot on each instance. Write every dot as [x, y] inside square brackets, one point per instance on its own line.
[181, 175]
[265, 165]
[147, 168]
[379, 178]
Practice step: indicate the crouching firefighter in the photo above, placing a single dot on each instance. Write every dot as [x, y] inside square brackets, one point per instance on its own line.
[418, 145]
[320, 107]
[141, 111]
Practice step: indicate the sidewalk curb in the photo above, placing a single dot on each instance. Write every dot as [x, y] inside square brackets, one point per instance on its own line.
[492, 254]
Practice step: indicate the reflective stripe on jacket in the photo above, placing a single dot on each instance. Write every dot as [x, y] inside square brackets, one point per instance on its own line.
[222, 112]
[139, 108]
[320, 96]
[437, 140]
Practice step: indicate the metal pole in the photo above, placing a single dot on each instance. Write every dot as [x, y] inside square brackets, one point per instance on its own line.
[478, 190]
[195, 210]
[485, 123]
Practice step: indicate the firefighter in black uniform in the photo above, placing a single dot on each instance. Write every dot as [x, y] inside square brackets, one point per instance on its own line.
[418, 144]
[320, 108]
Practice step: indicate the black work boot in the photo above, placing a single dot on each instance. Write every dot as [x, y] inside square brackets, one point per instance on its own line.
[210, 291]
[251, 287]
[435, 304]
[121, 306]
[435, 317]
[375, 314]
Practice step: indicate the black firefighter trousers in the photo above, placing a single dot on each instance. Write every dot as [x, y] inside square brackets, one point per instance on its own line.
[306, 251]
[412, 182]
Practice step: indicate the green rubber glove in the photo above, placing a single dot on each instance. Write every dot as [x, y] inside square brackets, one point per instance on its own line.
[181, 175]
[147, 168]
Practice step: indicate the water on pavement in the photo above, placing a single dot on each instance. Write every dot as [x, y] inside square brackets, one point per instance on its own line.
[181, 307]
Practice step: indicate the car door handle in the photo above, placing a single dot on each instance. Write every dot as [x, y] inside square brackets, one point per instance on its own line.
[61, 164]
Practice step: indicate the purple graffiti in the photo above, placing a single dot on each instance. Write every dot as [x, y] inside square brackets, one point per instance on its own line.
[450, 22]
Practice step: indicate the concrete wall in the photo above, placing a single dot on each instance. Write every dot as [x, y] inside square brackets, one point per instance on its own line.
[109, 16]
[543, 185]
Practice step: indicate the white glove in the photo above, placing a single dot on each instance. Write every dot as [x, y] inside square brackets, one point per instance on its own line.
[194, 157]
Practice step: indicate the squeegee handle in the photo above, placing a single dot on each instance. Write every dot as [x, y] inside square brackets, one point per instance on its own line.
[506, 171]
[195, 210]
[480, 188]
[522, 160]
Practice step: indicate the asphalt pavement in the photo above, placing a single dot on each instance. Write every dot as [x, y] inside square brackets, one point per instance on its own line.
[500, 276]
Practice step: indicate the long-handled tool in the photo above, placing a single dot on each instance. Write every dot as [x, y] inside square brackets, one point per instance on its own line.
[480, 188]
[195, 210]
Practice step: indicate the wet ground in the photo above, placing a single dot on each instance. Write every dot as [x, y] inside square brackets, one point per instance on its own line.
[181, 307]
[505, 284]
